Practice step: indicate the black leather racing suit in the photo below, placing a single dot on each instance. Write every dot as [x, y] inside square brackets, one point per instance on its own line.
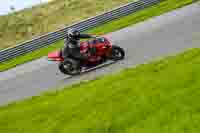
[72, 47]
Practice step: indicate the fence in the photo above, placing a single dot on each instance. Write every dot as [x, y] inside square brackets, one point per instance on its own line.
[84, 25]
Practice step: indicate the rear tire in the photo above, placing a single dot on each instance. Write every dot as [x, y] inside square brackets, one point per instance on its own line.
[61, 68]
[117, 53]
[69, 67]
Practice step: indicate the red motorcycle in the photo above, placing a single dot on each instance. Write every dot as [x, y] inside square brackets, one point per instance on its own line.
[98, 51]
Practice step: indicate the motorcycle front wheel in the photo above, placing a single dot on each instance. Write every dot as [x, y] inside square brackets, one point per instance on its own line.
[117, 53]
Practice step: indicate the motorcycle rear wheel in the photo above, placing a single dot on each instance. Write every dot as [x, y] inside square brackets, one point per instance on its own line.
[69, 67]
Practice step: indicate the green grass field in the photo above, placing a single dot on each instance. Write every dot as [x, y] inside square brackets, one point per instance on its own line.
[160, 97]
[32, 22]
[165, 6]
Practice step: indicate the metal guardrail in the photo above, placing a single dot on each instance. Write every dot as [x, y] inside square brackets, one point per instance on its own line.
[84, 25]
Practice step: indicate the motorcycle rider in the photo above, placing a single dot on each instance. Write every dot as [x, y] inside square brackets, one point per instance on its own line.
[72, 44]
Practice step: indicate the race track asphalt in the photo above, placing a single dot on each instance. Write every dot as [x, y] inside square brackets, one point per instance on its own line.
[160, 36]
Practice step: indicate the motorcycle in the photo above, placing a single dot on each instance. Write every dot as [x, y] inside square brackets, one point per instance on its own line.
[98, 51]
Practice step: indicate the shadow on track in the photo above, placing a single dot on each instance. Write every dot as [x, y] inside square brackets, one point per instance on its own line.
[91, 69]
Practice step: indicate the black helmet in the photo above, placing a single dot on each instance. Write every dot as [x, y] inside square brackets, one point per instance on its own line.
[73, 34]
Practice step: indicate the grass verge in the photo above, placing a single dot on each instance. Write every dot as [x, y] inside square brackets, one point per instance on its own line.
[145, 99]
[165, 6]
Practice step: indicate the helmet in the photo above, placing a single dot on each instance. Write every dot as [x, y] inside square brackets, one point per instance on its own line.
[73, 34]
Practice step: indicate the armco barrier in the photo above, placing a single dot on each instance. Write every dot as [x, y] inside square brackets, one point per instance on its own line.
[84, 25]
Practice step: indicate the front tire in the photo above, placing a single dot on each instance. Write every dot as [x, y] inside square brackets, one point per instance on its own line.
[117, 53]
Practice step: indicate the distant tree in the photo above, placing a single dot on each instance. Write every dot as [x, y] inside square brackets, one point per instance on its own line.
[12, 8]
